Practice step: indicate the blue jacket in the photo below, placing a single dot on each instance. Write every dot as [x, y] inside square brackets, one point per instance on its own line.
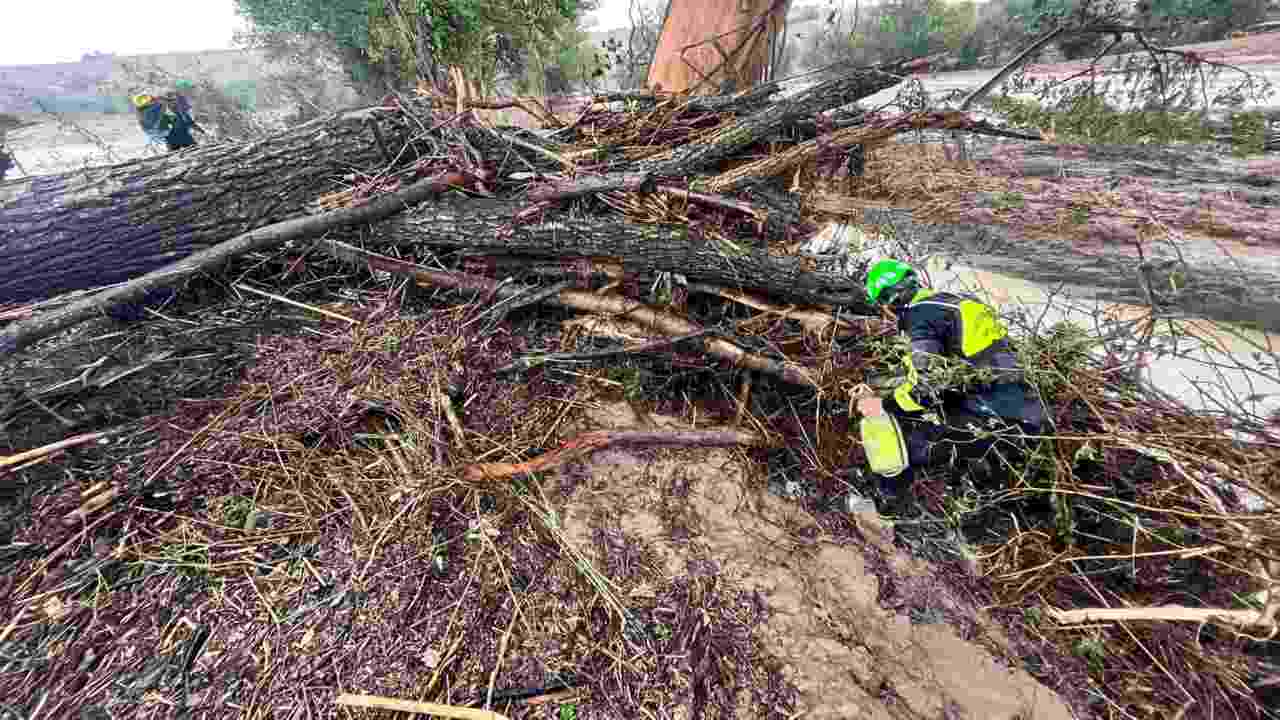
[942, 324]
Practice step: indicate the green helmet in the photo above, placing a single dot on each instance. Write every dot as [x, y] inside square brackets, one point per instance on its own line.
[884, 275]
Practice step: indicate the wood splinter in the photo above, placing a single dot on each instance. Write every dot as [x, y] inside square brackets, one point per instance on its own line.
[96, 497]
[419, 708]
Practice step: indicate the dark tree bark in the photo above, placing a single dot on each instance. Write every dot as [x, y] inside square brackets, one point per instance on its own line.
[105, 225]
[749, 130]
[18, 335]
[484, 225]
[1170, 169]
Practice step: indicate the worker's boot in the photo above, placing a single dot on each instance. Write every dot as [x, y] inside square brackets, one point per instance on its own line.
[894, 493]
[981, 474]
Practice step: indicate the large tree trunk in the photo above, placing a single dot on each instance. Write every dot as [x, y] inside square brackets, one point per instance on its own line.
[1190, 170]
[710, 46]
[105, 225]
[485, 225]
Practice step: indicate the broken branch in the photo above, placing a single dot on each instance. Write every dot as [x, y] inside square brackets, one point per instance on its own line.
[659, 320]
[376, 702]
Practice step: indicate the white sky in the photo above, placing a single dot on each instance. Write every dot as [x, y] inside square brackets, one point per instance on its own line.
[49, 32]
[613, 13]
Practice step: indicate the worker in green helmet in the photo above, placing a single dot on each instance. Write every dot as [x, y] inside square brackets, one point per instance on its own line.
[982, 410]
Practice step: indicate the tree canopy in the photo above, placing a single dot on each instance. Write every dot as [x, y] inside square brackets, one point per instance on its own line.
[483, 37]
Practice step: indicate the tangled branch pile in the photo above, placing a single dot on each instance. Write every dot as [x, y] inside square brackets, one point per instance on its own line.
[390, 473]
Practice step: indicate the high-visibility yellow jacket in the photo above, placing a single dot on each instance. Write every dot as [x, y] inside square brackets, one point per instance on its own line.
[942, 324]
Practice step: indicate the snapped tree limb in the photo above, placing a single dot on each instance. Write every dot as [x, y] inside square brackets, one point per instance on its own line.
[485, 225]
[661, 321]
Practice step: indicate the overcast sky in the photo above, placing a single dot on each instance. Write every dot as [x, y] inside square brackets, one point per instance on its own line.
[49, 32]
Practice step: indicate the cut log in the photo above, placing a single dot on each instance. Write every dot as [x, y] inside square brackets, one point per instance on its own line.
[485, 225]
[104, 225]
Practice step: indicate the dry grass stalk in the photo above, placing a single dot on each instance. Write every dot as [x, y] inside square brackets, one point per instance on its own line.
[295, 303]
[590, 442]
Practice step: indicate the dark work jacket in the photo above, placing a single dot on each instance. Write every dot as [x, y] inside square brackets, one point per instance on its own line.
[941, 324]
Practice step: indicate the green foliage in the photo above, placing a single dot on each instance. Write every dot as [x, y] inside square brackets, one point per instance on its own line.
[1248, 133]
[1039, 15]
[1093, 651]
[1190, 9]
[631, 380]
[244, 92]
[479, 36]
[1088, 118]
[1051, 358]
[1009, 200]
[233, 511]
[346, 20]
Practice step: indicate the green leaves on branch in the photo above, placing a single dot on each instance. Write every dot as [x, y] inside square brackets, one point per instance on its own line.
[346, 20]
[480, 36]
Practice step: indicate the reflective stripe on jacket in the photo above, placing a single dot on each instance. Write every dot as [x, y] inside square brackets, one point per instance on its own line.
[958, 326]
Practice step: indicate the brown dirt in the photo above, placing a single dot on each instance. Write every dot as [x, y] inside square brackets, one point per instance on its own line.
[848, 656]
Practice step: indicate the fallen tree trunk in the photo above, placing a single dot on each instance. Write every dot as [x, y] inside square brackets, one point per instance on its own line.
[105, 225]
[18, 335]
[1173, 169]
[486, 225]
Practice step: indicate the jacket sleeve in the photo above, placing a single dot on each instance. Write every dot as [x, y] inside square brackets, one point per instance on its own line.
[927, 332]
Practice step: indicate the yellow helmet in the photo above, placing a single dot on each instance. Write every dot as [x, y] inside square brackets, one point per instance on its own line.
[143, 100]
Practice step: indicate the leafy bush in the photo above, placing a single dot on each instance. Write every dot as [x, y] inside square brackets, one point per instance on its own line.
[244, 92]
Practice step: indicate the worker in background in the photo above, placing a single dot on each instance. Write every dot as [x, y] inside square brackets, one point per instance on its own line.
[6, 159]
[186, 121]
[982, 413]
[163, 121]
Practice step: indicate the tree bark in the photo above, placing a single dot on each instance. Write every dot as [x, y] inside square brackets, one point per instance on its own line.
[24, 332]
[1170, 169]
[747, 131]
[485, 225]
[105, 225]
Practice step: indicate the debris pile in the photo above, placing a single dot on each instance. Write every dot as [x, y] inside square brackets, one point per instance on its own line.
[356, 481]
